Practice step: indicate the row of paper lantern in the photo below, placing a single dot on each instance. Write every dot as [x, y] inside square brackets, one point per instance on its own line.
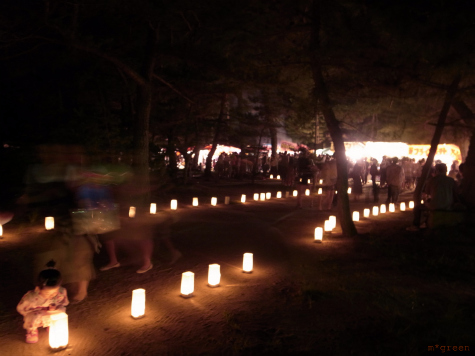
[330, 224]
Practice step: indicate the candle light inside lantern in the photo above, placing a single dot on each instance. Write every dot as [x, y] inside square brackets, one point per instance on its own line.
[268, 196]
[187, 284]
[375, 211]
[278, 177]
[226, 200]
[422, 201]
[328, 226]
[332, 219]
[392, 209]
[243, 198]
[307, 191]
[58, 331]
[247, 262]
[411, 205]
[1, 230]
[138, 303]
[402, 206]
[318, 234]
[382, 209]
[174, 204]
[214, 275]
[294, 193]
[49, 223]
[263, 196]
[195, 201]
[256, 196]
[320, 191]
[271, 176]
[349, 190]
[366, 213]
[356, 216]
[153, 208]
[214, 201]
[278, 195]
[320, 181]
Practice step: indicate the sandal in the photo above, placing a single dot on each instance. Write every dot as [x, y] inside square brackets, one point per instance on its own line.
[108, 267]
[32, 337]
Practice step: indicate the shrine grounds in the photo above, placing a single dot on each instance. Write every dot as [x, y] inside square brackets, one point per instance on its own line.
[386, 291]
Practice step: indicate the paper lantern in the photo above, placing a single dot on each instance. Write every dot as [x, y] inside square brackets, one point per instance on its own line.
[375, 211]
[187, 284]
[356, 216]
[226, 200]
[243, 198]
[271, 176]
[332, 219]
[422, 201]
[318, 234]
[366, 213]
[138, 303]
[278, 177]
[173, 204]
[153, 208]
[278, 195]
[214, 275]
[328, 226]
[392, 209]
[287, 194]
[263, 196]
[58, 331]
[268, 196]
[402, 206]
[411, 205]
[214, 201]
[349, 190]
[49, 223]
[195, 201]
[1, 230]
[320, 191]
[295, 193]
[382, 210]
[336, 191]
[307, 192]
[247, 263]
[256, 196]
[320, 181]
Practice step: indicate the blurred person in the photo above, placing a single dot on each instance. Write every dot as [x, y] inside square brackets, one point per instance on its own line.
[357, 175]
[395, 180]
[304, 174]
[374, 171]
[328, 176]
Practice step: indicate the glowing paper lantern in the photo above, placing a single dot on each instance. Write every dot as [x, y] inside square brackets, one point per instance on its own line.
[402, 206]
[195, 201]
[295, 193]
[256, 196]
[320, 181]
[173, 204]
[375, 211]
[263, 196]
[320, 191]
[392, 209]
[356, 216]
[247, 263]
[58, 331]
[278, 195]
[318, 234]
[332, 219]
[49, 223]
[366, 213]
[382, 209]
[307, 191]
[271, 176]
[268, 195]
[153, 208]
[187, 284]
[278, 177]
[349, 190]
[287, 194]
[328, 226]
[411, 205]
[138, 303]
[226, 200]
[214, 275]
[214, 201]
[243, 198]
[1, 230]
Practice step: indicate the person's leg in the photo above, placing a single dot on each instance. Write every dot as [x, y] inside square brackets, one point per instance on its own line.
[146, 249]
[389, 195]
[395, 194]
[109, 246]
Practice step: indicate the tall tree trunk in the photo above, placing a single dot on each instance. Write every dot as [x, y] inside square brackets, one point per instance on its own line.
[217, 132]
[449, 96]
[273, 139]
[321, 93]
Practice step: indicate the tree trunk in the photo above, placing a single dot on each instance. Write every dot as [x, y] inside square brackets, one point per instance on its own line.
[321, 93]
[219, 123]
[449, 96]
[273, 139]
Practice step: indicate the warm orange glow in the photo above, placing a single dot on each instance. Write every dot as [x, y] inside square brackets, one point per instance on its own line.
[349, 190]
[279, 195]
[247, 263]
[263, 196]
[138, 303]
[411, 205]
[307, 191]
[356, 216]
[278, 177]
[49, 223]
[328, 226]
[320, 191]
[214, 201]
[375, 211]
[268, 196]
[195, 201]
[58, 331]
[214, 275]
[256, 196]
[174, 204]
[402, 206]
[382, 210]
[318, 234]
[392, 209]
[271, 176]
[332, 220]
[295, 193]
[366, 213]
[187, 284]
[243, 198]
[153, 208]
